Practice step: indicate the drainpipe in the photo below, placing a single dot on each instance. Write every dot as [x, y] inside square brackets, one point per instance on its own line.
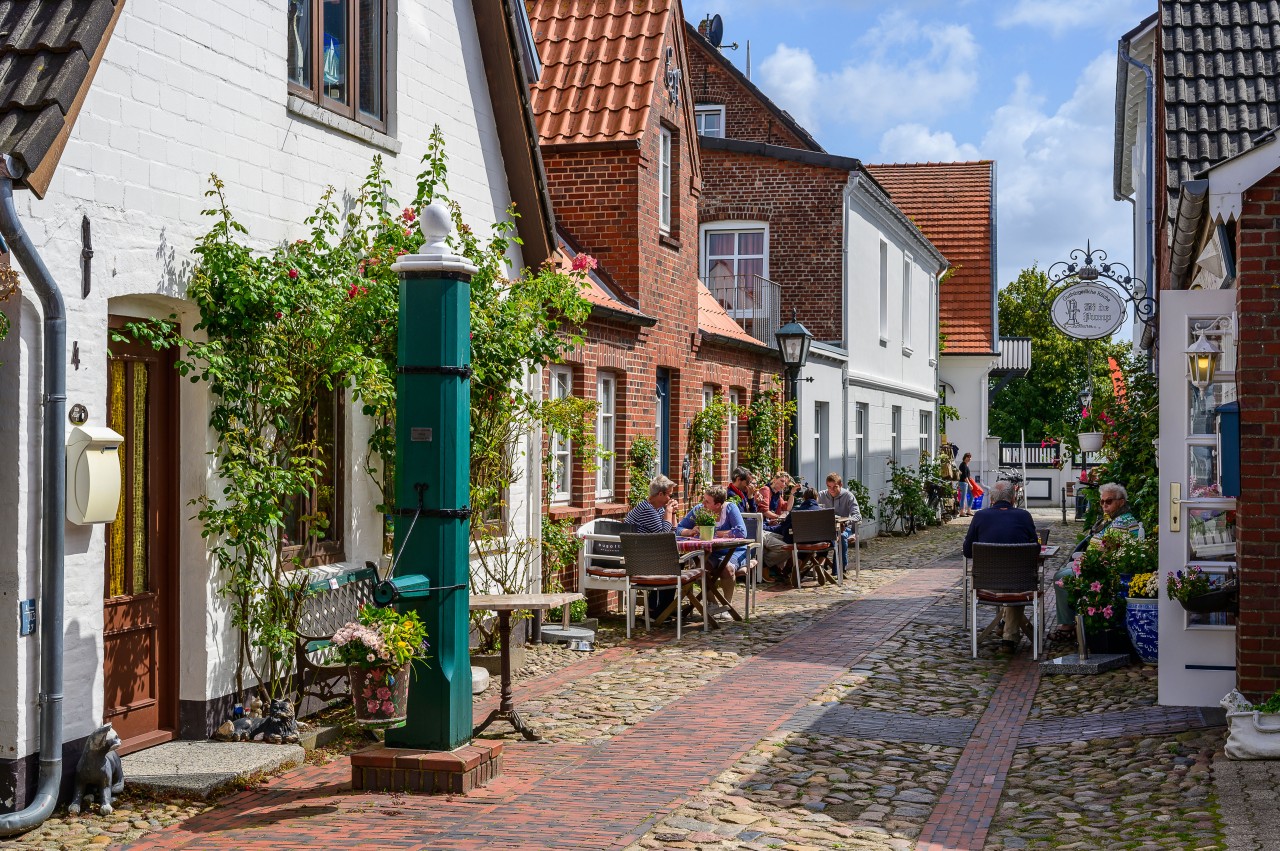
[1151, 166]
[54, 508]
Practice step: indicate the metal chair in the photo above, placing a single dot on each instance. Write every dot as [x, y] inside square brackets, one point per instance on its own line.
[1007, 575]
[755, 550]
[652, 562]
[600, 559]
[813, 533]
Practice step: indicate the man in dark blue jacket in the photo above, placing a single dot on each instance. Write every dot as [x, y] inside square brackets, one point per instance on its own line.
[1001, 523]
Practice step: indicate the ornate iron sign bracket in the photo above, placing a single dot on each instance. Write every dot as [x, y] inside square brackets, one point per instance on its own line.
[1090, 265]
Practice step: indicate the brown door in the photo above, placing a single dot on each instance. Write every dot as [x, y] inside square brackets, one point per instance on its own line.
[139, 649]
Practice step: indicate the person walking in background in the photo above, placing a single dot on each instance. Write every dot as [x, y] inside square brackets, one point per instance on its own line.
[966, 486]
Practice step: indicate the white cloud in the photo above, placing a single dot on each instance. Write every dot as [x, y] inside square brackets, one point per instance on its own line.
[915, 143]
[906, 71]
[1059, 17]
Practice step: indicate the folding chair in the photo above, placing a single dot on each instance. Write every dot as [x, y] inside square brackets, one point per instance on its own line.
[652, 562]
[813, 533]
[1007, 575]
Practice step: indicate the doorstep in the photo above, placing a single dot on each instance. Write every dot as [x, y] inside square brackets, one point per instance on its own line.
[200, 770]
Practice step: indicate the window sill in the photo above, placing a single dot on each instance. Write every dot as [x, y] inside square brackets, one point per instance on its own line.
[562, 511]
[884, 342]
[319, 115]
[669, 241]
[933, 361]
[907, 351]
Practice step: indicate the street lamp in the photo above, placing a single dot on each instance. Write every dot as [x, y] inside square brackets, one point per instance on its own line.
[793, 347]
[1205, 355]
[1086, 395]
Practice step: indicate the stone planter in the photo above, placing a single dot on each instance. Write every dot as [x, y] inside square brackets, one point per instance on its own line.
[379, 695]
[492, 662]
[1141, 618]
[1090, 441]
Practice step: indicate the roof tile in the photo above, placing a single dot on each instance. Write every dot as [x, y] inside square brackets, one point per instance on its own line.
[714, 319]
[953, 206]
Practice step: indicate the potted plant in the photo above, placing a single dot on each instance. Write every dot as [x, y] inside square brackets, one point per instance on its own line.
[706, 523]
[1199, 594]
[1094, 588]
[1141, 616]
[1253, 729]
[378, 649]
[1092, 429]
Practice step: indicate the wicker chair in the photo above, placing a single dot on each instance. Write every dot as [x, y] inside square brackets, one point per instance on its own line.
[755, 550]
[1007, 575]
[652, 562]
[812, 534]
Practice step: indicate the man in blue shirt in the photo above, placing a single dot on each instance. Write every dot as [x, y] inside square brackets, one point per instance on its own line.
[729, 525]
[1001, 523]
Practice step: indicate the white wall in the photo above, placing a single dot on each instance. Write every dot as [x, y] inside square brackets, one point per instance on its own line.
[187, 89]
[966, 376]
[826, 367]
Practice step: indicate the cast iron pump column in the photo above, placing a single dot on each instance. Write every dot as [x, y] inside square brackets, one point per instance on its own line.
[433, 463]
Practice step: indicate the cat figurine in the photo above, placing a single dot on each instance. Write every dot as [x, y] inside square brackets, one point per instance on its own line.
[99, 774]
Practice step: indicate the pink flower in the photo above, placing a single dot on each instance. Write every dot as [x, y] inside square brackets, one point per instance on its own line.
[384, 693]
[355, 290]
[1092, 610]
[408, 215]
[371, 706]
[1096, 586]
[293, 274]
[1060, 584]
[584, 262]
[408, 232]
[1076, 569]
[388, 706]
[1107, 611]
[279, 315]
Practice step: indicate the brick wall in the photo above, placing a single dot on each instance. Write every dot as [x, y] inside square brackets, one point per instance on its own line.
[1258, 387]
[745, 116]
[803, 206]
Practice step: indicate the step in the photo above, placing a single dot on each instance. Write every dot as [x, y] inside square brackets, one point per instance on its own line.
[199, 770]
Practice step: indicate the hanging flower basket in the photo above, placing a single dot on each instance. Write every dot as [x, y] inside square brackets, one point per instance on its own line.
[380, 695]
[1225, 599]
[1090, 441]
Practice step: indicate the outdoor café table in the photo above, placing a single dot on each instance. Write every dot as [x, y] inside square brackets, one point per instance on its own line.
[504, 605]
[711, 596]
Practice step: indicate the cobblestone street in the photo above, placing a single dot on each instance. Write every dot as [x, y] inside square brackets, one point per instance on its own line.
[839, 717]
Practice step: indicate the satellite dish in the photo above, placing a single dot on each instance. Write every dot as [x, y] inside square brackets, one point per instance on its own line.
[715, 32]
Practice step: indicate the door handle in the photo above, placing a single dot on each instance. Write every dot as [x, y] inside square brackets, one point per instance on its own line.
[1175, 506]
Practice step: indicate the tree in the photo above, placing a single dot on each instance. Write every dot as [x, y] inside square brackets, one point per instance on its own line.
[1045, 402]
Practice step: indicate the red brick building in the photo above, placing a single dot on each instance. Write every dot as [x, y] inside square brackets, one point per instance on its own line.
[616, 121]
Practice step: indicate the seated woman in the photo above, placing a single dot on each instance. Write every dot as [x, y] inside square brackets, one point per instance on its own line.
[775, 499]
[1116, 516]
[730, 525]
[778, 538]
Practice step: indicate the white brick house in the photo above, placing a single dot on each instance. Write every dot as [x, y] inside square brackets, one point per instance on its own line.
[184, 90]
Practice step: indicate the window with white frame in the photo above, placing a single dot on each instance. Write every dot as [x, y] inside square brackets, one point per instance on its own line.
[884, 291]
[561, 445]
[926, 432]
[735, 399]
[606, 396]
[710, 119]
[734, 253]
[709, 448]
[906, 302]
[664, 179]
[862, 414]
[895, 434]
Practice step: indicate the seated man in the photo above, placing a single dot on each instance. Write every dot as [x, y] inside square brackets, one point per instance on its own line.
[778, 538]
[658, 512]
[1001, 523]
[846, 505]
[1116, 516]
[742, 490]
[730, 525]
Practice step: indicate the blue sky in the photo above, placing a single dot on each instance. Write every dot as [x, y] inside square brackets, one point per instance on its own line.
[1028, 83]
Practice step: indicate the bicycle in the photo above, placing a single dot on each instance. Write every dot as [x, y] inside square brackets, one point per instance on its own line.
[1019, 492]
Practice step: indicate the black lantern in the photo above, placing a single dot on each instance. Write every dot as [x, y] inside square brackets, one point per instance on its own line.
[793, 346]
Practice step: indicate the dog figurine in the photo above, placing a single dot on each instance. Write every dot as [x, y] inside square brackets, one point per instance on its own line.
[278, 726]
[99, 773]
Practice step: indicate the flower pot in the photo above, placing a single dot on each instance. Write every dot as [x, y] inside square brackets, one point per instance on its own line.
[1107, 641]
[379, 695]
[706, 533]
[1090, 441]
[1219, 600]
[1141, 618]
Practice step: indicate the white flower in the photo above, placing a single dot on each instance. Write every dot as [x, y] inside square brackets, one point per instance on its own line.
[370, 657]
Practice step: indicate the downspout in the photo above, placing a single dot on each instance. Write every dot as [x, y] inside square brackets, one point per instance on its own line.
[1151, 167]
[54, 492]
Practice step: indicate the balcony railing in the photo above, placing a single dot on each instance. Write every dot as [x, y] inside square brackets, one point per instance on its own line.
[753, 302]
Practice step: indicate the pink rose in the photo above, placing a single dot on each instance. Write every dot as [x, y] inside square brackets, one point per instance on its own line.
[384, 693]
[1092, 610]
[408, 215]
[584, 262]
[371, 706]
[387, 706]
[293, 274]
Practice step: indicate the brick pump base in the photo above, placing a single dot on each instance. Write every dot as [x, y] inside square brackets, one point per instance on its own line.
[379, 768]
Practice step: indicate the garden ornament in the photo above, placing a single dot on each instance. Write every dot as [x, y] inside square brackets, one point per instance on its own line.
[99, 773]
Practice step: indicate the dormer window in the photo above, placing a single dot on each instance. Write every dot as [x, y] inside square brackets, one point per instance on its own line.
[710, 119]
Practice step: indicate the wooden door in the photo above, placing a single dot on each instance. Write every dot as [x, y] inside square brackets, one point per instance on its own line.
[139, 643]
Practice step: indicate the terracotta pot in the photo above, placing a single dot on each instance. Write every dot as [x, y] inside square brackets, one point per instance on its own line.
[379, 695]
[1090, 441]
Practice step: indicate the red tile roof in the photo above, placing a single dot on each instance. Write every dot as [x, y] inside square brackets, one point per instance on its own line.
[715, 320]
[952, 204]
[597, 291]
[600, 62]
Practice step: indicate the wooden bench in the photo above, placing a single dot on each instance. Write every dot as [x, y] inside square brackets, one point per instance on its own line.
[327, 604]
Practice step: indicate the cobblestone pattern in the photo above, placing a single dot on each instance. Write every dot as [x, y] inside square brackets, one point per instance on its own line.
[1122, 690]
[1136, 722]
[1249, 796]
[853, 722]
[130, 820]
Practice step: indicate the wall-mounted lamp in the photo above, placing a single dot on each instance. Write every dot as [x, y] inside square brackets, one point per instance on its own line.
[1204, 356]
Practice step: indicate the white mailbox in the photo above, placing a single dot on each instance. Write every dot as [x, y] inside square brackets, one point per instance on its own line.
[93, 474]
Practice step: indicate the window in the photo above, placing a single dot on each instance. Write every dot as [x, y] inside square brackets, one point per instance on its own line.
[895, 435]
[861, 415]
[338, 56]
[735, 399]
[710, 120]
[606, 395]
[664, 178]
[821, 427]
[735, 254]
[561, 445]
[884, 292]
[926, 432]
[313, 525]
[906, 302]
[708, 449]
[662, 420]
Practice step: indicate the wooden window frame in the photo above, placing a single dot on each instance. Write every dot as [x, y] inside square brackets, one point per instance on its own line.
[309, 551]
[315, 92]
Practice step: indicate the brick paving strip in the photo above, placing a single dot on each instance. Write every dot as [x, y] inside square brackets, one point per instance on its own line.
[1148, 721]
[967, 806]
[570, 796]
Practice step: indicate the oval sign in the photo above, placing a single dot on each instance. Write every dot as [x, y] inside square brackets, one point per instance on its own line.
[1088, 311]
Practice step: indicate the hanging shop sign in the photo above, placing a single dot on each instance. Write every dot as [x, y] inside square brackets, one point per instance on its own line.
[1088, 311]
